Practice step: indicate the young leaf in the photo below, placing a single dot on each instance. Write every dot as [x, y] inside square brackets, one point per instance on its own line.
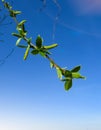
[21, 26]
[21, 46]
[21, 31]
[21, 23]
[13, 13]
[29, 40]
[6, 5]
[67, 73]
[42, 54]
[67, 78]
[35, 52]
[50, 46]
[26, 52]
[39, 41]
[59, 73]
[16, 35]
[68, 84]
[47, 52]
[77, 75]
[76, 69]
[18, 41]
[51, 65]
[16, 12]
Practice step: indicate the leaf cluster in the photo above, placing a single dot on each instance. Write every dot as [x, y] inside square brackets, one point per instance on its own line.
[67, 76]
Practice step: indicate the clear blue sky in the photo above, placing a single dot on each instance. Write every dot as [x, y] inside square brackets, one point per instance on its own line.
[31, 96]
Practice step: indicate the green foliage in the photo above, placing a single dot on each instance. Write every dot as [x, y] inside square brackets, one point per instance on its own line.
[77, 75]
[26, 52]
[68, 84]
[13, 13]
[39, 42]
[76, 69]
[64, 75]
[51, 64]
[59, 72]
[16, 35]
[18, 41]
[50, 46]
[35, 52]
[21, 28]
[29, 40]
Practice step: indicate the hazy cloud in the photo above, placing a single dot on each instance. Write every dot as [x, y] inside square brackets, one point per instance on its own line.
[87, 6]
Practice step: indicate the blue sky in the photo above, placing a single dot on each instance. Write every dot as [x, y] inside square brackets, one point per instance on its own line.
[31, 95]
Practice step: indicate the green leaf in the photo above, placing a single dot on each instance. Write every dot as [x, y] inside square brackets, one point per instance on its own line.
[65, 79]
[51, 65]
[18, 41]
[76, 69]
[6, 5]
[18, 28]
[51, 46]
[39, 41]
[47, 52]
[21, 28]
[21, 31]
[13, 13]
[16, 35]
[16, 12]
[67, 73]
[29, 40]
[21, 46]
[77, 75]
[43, 54]
[21, 23]
[35, 52]
[26, 52]
[68, 84]
[59, 73]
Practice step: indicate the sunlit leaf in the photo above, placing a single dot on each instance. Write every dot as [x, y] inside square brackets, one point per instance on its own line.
[22, 32]
[16, 12]
[13, 13]
[76, 69]
[59, 73]
[42, 54]
[26, 52]
[21, 28]
[18, 41]
[21, 23]
[77, 75]
[51, 65]
[68, 84]
[50, 46]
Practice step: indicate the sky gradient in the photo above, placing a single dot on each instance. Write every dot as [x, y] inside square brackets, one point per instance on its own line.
[31, 95]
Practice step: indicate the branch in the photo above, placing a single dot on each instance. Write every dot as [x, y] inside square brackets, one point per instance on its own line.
[38, 48]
